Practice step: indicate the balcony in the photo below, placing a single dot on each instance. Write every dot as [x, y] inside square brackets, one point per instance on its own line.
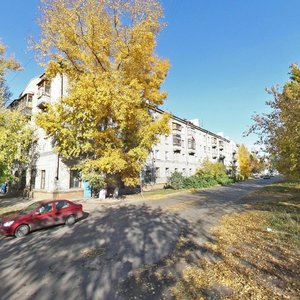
[43, 100]
[191, 146]
[214, 155]
[214, 143]
[177, 142]
[221, 145]
[176, 127]
[23, 105]
[191, 133]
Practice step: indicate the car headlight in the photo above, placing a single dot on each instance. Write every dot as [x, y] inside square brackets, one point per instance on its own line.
[7, 224]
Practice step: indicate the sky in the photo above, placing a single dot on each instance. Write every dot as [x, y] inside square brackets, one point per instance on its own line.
[223, 55]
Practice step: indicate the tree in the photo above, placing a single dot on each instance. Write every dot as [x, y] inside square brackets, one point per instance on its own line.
[16, 139]
[256, 165]
[107, 50]
[6, 64]
[244, 161]
[16, 136]
[279, 130]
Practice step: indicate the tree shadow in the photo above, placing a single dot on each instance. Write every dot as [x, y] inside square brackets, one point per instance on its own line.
[94, 257]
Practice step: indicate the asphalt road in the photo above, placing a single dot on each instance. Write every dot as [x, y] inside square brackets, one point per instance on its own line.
[94, 258]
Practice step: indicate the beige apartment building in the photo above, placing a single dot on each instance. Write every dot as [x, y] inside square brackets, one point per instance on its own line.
[183, 150]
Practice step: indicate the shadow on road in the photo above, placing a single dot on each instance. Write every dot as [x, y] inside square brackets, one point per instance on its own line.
[90, 259]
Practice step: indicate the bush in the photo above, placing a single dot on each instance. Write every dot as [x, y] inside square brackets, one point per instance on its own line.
[176, 181]
[209, 175]
[95, 179]
[198, 182]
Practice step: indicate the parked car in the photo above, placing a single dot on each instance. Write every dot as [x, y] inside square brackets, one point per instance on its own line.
[266, 176]
[39, 215]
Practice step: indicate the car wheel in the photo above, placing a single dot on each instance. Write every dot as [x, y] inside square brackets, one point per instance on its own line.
[70, 220]
[22, 230]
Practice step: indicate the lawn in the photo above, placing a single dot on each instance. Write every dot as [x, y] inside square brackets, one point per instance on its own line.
[156, 194]
[255, 254]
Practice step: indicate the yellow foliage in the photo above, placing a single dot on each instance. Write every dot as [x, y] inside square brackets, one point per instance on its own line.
[6, 64]
[16, 138]
[244, 161]
[107, 50]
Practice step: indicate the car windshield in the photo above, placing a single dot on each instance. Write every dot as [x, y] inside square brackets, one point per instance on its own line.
[29, 208]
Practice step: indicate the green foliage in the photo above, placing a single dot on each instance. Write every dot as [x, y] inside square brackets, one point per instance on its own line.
[209, 174]
[95, 180]
[279, 130]
[16, 142]
[176, 181]
[213, 173]
[244, 161]
[6, 64]
[199, 182]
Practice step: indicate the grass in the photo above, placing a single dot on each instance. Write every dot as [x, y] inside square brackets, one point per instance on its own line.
[156, 194]
[13, 208]
[256, 251]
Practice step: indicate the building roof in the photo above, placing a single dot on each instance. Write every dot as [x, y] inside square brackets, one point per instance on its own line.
[192, 125]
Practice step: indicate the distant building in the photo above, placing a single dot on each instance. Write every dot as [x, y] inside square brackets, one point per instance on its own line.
[183, 150]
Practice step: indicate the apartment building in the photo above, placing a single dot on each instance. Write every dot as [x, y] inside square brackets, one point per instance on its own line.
[183, 150]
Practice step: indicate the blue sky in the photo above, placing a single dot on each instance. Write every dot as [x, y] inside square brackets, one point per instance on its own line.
[223, 55]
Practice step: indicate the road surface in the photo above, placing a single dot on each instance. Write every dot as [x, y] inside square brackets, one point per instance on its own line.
[99, 256]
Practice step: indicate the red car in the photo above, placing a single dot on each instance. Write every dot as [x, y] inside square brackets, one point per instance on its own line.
[41, 214]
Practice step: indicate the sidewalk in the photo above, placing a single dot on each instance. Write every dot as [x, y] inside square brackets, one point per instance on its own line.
[8, 204]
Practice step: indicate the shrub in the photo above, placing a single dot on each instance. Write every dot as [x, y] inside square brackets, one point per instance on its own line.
[95, 179]
[176, 181]
[197, 182]
[213, 173]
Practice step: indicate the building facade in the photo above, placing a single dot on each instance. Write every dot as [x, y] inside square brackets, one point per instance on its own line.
[183, 150]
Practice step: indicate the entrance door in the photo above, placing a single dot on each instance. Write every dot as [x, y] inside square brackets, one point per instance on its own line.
[87, 189]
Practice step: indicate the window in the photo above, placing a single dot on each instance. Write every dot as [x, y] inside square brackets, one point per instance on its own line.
[29, 98]
[156, 154]
[167, 171]
[176, 140]
[45, 208]
[176, 126]
[176, 156]
[75, 180]
[32, 178]
[191, 144]
[166, 140]
[167, 155]
[43, 179]
[157, 172]
[183, 171]
[61, 204]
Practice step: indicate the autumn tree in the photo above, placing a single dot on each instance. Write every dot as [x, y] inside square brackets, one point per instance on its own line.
[279, 130]
[6, 64]
[16, 135]
[256, 164]
[107, 51]
[244, 161]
